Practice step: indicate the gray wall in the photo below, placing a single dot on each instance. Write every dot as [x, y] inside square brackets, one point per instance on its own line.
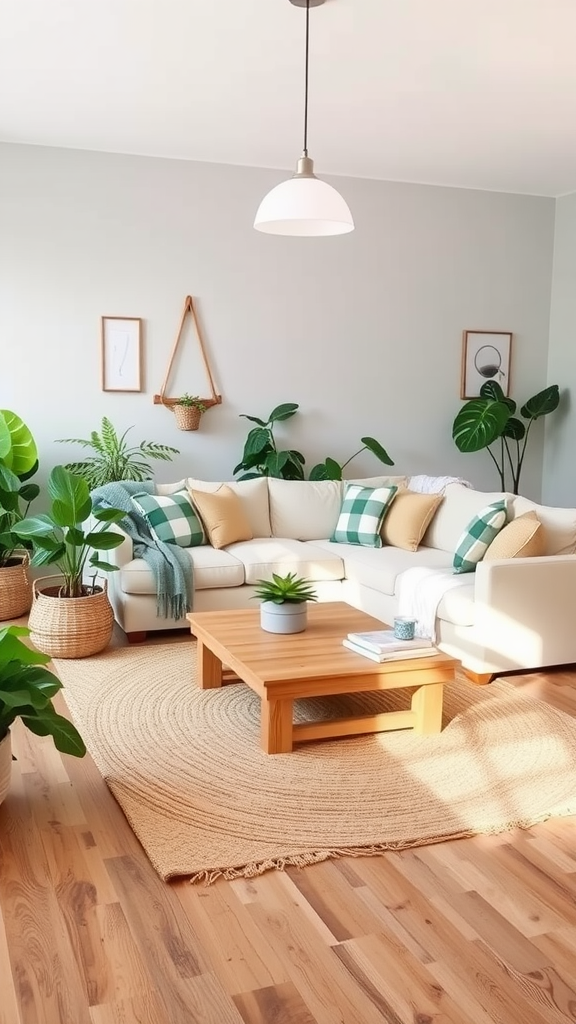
[559, 477]
[364, 331]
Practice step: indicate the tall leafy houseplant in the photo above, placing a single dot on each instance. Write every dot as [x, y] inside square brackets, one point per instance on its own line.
[113, 458]
[490, 422]
[261, 456]
[18, 463]
[59, 537]
[26, 691]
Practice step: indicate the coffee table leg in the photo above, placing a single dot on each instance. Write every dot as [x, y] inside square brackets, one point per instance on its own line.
[209, 668]
[276, 726]
[427, 706]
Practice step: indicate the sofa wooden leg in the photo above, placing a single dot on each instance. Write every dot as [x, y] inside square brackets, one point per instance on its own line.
[479, 678]
[136, 638]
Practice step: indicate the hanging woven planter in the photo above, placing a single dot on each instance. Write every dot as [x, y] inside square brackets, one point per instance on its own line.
[15, 588]
[187, 416]
[70, 627]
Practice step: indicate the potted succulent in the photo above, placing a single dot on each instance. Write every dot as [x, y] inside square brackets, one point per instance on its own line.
[188, 410]
[73, 619]
[26, 691]
[284, 603]
[18, 463]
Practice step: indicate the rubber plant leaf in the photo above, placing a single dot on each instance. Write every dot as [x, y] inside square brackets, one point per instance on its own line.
[478, 424]
[541, 404]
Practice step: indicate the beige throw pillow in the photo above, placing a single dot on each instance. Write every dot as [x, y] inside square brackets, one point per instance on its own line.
[408, 518]
[522, 538]
[222, 515]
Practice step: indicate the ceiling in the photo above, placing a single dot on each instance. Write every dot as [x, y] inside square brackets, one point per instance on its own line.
[472, 93]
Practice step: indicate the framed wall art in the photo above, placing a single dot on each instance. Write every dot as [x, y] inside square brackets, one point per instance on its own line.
[121, 353]
[485, 356]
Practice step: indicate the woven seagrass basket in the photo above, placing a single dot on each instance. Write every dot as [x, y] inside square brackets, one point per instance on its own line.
[187, 417]
[15, 589]
[70, 627]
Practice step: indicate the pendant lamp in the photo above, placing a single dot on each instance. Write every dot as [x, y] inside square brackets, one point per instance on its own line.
[304, 205]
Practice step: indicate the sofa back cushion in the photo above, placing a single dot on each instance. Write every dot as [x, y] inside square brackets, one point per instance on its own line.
[559, 525]
[304, 509]
[254, 497]
[460, 505]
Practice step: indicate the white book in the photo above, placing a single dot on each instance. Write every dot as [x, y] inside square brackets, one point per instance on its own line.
[382, 641]
[420, 652]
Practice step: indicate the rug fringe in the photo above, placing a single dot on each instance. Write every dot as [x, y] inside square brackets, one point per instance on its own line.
[303, 860]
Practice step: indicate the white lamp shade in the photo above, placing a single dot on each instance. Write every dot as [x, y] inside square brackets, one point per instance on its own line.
[303, 206]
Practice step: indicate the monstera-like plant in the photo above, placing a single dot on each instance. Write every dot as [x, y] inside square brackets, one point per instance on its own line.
[18, 463]
[490, 422]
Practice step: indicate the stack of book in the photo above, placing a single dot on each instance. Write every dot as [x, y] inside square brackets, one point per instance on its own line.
[382, 645]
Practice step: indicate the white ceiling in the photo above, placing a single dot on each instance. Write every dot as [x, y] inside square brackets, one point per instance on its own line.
[473, 93]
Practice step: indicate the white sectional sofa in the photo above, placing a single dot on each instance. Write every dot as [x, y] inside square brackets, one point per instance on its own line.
[512, 614]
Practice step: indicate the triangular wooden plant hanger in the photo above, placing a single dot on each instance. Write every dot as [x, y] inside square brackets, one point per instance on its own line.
[161, 399]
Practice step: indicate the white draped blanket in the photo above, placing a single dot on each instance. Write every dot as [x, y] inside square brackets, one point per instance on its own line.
[420, 591]
[434, 484]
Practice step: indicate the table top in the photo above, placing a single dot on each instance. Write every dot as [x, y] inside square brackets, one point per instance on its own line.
[236, 637]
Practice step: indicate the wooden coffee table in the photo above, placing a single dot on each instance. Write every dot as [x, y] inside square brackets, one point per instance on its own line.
[311, 664]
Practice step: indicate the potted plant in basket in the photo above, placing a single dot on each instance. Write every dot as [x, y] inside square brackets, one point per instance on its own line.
[18, 463]
[26, 691]
[188, 410]
[73, 619]
[284, 608]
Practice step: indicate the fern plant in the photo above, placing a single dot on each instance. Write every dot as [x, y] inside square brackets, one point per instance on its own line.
[113, 459]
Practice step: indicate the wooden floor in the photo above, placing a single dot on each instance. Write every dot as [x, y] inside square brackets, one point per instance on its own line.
[466, 932]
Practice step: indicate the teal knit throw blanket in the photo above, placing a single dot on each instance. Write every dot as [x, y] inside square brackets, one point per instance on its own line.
[171, 566]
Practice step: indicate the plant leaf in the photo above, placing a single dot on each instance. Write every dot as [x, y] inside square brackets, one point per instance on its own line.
[254, 419]
[104, 540]
[514, 429]
[283, 412]
[257, 440]
[23, 454]
[275, 462]
[479, 423]
[71, 503]
[376, 448]
[66, 737]
[541, 404]
[319, 472]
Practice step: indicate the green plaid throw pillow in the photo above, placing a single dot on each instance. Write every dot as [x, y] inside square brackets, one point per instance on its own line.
[478, 536]
[171, 518]
[361, 515]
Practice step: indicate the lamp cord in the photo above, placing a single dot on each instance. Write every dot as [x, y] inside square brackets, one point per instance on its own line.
[306, 78]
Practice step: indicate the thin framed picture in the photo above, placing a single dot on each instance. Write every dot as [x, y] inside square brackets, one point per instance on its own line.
[121, 353]
[485, 356]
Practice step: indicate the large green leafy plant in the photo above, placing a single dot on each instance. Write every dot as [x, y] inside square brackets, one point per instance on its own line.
[26, 691]
[490, 422]
[261, 456]
[59, 537]
[18, 463]
[113, 458]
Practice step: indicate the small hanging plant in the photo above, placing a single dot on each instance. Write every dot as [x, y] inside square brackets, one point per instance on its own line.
[188, 410]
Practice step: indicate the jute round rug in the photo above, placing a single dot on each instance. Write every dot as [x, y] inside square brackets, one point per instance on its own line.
[204, 800]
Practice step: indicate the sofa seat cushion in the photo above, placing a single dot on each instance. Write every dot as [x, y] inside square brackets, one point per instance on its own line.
[457, 606]
[265, 555]
[379, 568]
[212, 568]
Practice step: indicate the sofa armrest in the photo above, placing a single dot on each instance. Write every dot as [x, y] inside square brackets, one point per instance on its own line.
[525, 610]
